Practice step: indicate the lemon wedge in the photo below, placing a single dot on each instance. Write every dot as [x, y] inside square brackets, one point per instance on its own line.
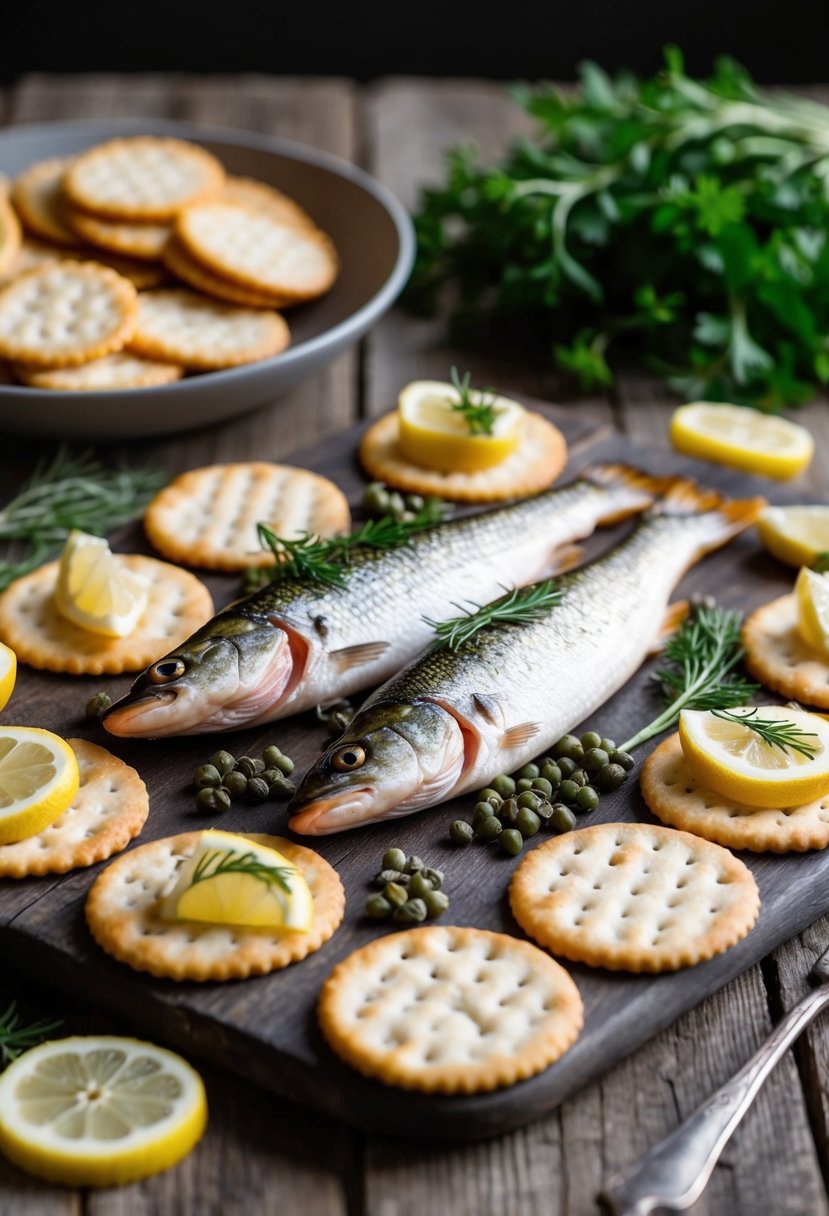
[8, 674]
[742, 438]
[38, 780]
[734, 760]
[99, 1110]
[435, 436]
[96, 590]
[812, 596]
[795, 535]
[231, 880]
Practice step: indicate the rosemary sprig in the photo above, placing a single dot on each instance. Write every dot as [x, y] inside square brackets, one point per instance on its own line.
[788, 736]
[16, 1036]
[211, 865]
[73, 490]
[821, 563]
[480, 414]
[698, 670]
[517, 607]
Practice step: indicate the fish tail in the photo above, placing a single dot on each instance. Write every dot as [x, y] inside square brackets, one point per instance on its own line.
[629, 490]
[715, 518]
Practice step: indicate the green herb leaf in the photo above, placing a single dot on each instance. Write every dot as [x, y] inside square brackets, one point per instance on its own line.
[16, 1036]
[517, 607]
[480, 414]
[785, 735]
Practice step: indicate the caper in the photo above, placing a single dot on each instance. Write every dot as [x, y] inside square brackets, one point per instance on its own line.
[260, 766]
[281, 787]
[527, 822]
[394, 859]
[246, 766]
[433, 877]
[418, 885]
[413, 863]
[544, 787]
[460, 832]
[412, 912]
[212, 801]
[529, 770]
[285, 764]
[591, 738]
[396, 504]
[415, 502]
[523, 784]
[610, 777]
[272, 776]
[609, 745]
[258, 790]
[96, 705]
[395, 893]
[490, 795]
[622, 758]
[271, 755]
[503, 785]
[568, 790]
[562, 818]
[568, 748]
[511, 841]
[486, 808]
[580, 777]
[587, 799]
[223, 761]
[235, 783]
[436, 902]
[508, 811]
[378, 907]
[376, 498]
[481, 815]
[489, 829]
[594, 759]
[544, 809]
[566, 767]
[207, 778]
[530, 798]
[552, 773]
[384, 877]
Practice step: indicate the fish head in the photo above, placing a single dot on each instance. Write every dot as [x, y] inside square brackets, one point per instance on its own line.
[231, 673]
[393, 759]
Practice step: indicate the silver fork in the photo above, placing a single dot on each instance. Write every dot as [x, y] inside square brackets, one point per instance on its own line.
[675, 1172]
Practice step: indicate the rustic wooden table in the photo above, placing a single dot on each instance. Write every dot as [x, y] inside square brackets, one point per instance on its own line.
[259, 1156]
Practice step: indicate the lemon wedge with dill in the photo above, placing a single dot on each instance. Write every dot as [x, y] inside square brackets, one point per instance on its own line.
[453, 428]
[812, 597]
[742, 438]
[96, 590]
[39, 779]
[767, 756]
[99, 1110]
[231, 880]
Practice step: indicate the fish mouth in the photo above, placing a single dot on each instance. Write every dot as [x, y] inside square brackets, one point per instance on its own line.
[124, 718]
[335, 812]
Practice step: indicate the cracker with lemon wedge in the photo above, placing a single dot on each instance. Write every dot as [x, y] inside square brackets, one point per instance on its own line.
[136, 909]
[778, 655]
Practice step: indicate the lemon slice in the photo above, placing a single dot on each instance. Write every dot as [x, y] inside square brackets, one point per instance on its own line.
[230, 880]
[8, 674]
[812, 597]
[796, 535]
[98, 1110]
[732, 759]
[436, 436]
[742, 438]
[38, 780]
[96, 590]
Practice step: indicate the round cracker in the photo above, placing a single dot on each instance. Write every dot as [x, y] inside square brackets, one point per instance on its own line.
[142, 178]
[122, 914]
[10, 238]
[178, 326]
[260, 196]
[185, 267]
[256, 250]
[37, 193]
[142, 241]
[634, 897]
[207, 517]
[109, 810]
[65, 313]
[675, 796]
[778, 657]
[177, 605]
[450, 1010]
[536, 463]
[118, 371]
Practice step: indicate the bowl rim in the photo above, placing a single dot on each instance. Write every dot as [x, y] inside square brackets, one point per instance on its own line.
[360, 320]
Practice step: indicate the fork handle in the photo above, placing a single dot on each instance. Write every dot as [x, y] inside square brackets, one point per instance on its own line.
[674, 1173]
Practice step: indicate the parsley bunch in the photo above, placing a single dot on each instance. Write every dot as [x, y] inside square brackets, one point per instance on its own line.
[683, 222]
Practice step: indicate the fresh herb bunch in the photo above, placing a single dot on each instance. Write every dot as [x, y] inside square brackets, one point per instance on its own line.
[70, 491]
[517, 607]
[16, 1036]
[684, 220]
[785, 735]
[480, 414]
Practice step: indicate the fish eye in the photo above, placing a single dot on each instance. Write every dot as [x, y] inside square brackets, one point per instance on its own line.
[349, 757]
[166, 670]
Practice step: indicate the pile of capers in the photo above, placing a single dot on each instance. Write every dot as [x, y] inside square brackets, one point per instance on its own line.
[379, 500]
[410, 891]
[551, 792]
[224, 779]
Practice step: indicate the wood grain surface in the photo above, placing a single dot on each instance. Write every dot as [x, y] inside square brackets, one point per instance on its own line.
[265, 1156]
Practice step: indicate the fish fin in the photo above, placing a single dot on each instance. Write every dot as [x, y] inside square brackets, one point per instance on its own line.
[516, 735]
[487, 706]
[717, 518]
[355, 656]
[629, 490]
[675, 614]
[564, 558]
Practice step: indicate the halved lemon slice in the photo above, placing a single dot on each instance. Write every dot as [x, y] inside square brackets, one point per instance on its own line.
[812, 596]
[38, 780]
[434, 435]
[741, 437]
[96, 590]
[732, 758]
[8, 674]
[98, 1110]
[231, 880]
[796, 535]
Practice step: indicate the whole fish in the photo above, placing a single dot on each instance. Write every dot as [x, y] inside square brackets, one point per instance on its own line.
[452, 720]
[297, 643]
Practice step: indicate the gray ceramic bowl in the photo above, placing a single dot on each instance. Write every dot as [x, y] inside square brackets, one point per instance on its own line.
[372, 233]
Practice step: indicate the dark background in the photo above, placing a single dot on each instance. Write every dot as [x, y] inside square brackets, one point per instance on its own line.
[781, 41]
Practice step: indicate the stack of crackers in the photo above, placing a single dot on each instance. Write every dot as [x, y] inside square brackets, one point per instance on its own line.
[140, 260]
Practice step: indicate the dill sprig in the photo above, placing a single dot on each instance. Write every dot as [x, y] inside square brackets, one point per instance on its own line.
[517, 607]
[73, 490]
[16, 1036]
[782, 733]
[821, 563]
[211, 865]
[698, 670]
[480, 414]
